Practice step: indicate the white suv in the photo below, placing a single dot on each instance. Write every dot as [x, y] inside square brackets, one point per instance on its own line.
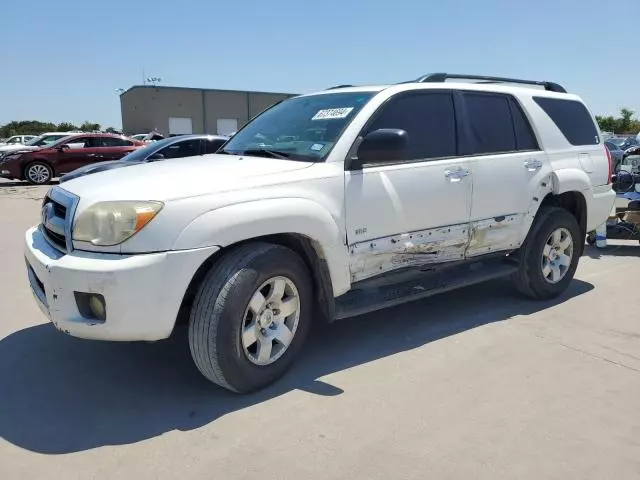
[326, 206]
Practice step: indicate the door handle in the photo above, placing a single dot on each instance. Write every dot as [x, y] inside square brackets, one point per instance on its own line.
[456, 174]
[533, 165]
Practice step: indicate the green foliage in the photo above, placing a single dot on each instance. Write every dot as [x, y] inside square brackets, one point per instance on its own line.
[624, 124]
[111, 130]
[66, 127]
[34, 127]
[90, 127]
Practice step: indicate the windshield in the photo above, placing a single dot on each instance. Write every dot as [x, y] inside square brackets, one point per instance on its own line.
[301, 128]
[142, 153]
[45, 140]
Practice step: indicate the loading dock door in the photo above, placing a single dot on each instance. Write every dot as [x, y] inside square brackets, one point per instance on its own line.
[180, 126]
[227, 126]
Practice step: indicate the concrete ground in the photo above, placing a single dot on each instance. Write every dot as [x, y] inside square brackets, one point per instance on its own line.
[478, 383]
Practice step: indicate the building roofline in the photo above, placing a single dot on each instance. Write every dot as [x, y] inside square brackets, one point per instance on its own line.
[166, 87]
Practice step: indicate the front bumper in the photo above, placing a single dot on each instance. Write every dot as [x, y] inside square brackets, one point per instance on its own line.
[142, 292]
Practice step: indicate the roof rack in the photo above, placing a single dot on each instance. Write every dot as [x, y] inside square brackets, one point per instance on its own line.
[441, 77]
[340, 86]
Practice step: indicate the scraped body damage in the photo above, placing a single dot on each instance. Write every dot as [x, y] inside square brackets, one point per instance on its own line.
[437, 245]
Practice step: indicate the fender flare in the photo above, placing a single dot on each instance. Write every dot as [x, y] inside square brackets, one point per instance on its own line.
[570, 180]
[231, 224]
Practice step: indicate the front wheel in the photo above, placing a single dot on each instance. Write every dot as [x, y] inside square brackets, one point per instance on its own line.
[549, 257]
[38, 173]
[251, 316]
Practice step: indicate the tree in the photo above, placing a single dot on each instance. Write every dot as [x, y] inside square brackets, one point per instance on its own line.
[111, 130]
[90, 127]
[66, 127]
[626, 116]
[624, 124]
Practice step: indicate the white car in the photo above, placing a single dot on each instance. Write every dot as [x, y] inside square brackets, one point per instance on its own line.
[35, 143]
[17, 140]
[326, 206]
[147, 137]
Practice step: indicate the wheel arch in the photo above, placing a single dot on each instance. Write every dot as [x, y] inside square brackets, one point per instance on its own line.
[309, 251]
[302, 225]
[575, 203]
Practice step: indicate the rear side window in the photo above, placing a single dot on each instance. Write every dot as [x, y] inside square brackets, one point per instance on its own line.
[213, 145]
[525, 140]
[490, 122]
[572, 118]
[113, 142]
[428, 119]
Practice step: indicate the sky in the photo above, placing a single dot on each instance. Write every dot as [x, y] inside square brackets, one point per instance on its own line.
[62, 61]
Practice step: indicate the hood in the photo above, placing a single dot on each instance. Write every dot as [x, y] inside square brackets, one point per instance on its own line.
[96, 168]
[22, 148]
[181, 178]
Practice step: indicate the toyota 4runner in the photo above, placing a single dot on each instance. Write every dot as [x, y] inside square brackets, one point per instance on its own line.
[326, 206]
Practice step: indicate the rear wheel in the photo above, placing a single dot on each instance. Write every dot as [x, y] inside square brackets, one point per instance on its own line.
[38, 173]
[251, 316]
[549, 257]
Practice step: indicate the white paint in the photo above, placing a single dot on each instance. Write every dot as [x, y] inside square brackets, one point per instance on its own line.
[217, 200]
[140, 304]
[226, 126]
[180, 125]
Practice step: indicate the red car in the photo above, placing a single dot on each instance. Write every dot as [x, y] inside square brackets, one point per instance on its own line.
[40, 166]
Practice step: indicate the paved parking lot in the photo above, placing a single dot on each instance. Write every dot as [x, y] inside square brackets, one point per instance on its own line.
[477, 383]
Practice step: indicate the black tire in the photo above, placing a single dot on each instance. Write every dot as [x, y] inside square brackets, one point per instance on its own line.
[217, 315]
[45, 173]
[529, 279]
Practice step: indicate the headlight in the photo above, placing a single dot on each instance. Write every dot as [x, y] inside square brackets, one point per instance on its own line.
[111, 223]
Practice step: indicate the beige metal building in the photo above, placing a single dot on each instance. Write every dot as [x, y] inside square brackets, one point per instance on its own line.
[176, 110]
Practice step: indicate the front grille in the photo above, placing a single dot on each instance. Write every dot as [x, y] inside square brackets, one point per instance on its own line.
[58, 208]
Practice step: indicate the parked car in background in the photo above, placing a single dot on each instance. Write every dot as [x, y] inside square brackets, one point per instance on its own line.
[17, 140]
[40, 166]
[35, 143]
[147, 137]
[635, 150]
[617, 154]
[174, 147]
[629, 142]
[617, 140]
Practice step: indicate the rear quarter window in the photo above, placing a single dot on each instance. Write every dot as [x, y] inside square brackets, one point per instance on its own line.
[572, 118]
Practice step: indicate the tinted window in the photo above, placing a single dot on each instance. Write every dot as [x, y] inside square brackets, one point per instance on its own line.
[572, 118]
[525, 139]
[212, 146]
[185, 148]
[490, 122]
[80, 142]
[112, 142]
[427, 118]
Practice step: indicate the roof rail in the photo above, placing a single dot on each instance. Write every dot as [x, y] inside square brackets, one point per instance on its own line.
[441, 77]
[340, 86]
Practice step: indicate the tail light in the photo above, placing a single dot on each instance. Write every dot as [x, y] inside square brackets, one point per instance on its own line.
[610, 159]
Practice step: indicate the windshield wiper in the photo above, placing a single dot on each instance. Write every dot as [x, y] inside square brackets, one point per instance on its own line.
[266, 152]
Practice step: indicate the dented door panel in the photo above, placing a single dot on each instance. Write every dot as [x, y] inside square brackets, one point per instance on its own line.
[382, 255]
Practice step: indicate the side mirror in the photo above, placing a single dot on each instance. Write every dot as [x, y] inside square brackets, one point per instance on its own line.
[156, 156]
[383, 145]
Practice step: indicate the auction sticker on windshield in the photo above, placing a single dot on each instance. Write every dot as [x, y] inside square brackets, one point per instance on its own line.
[332, 113]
